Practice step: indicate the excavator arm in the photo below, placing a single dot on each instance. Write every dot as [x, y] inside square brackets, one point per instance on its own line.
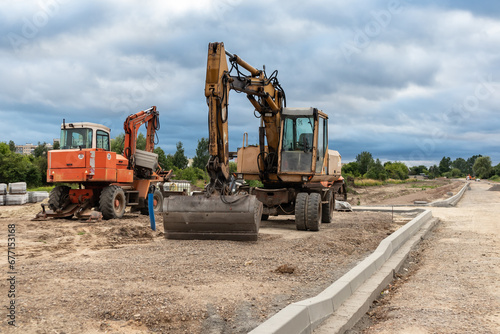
[150, 117]
[223, 213]
[264, 93]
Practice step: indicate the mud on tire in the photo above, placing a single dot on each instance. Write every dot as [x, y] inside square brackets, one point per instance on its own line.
[314, 212]
[157, 203]
[328, 207]
[301, 203]
[58, 197]
[112, 202]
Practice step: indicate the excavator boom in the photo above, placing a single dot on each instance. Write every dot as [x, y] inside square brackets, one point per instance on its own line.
[300, 175]
[222, 212]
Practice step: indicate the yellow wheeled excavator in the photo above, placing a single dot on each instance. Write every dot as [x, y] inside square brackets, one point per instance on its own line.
[300, 175]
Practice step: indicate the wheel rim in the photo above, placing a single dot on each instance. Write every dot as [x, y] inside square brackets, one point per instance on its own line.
[157, 202]
[332, 207]
[119, 202]
[319, 214]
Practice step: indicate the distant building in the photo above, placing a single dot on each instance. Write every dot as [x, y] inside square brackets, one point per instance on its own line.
[30, 148]
[25, 149]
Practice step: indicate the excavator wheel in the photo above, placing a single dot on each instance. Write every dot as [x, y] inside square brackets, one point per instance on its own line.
[328, 207]
[58, 197]
[112, 202]
[301, 203]
[314, 212]
[157, 203]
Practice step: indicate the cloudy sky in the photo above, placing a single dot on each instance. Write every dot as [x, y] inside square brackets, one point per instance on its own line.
[405, 80]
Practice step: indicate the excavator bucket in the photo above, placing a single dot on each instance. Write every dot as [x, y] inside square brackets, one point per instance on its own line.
[235, 217]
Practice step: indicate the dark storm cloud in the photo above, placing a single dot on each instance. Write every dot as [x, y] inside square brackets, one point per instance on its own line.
[405, 80]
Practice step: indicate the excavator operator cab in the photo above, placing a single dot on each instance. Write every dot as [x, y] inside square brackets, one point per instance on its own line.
[299, 126]
[84, 135]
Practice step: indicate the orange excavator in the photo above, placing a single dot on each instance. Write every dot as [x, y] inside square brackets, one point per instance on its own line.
[299, 173]
[107, 182]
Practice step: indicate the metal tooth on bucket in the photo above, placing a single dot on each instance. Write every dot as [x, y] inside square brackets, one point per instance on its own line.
[198, 217]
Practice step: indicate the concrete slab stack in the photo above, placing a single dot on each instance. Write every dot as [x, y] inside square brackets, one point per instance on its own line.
[17, 194]
[37, 196]
[3, 192]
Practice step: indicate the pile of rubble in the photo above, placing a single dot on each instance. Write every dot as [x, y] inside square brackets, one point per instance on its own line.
[16, 194]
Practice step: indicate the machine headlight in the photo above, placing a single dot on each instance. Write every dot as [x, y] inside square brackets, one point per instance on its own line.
[81, 156]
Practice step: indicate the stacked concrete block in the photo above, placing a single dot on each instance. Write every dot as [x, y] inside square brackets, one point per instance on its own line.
[16, 199]
[17, 188]
[17, 194]
[3, 191]
[37, 196]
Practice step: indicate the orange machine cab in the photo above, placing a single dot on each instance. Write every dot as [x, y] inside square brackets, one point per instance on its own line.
[85, 156]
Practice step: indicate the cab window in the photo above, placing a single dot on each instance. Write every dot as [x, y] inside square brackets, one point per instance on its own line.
[76, 138]
[102, 140]
[298, 136]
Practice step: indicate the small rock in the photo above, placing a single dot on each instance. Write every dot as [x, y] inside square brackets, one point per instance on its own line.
[285, 269]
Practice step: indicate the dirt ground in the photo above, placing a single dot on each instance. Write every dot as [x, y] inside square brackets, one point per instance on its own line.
[118, 276]
[405, 193]
[450, 284]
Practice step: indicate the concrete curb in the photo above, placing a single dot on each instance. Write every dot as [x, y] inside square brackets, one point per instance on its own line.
[359, 303]
[306, 315]
[453, 200]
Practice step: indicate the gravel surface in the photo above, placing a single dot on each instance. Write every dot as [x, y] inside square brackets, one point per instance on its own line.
[451, 284]
[118, 276]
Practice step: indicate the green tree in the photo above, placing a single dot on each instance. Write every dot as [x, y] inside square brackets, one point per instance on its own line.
[192, 174]
[455, 172]
[165, 163]
[417, 170]
[41, 150]
[482, 167]
[170, 161]
[444, 165]
[201, 158]
[37, 172]
[376, 171]
[140, 144]
[56, 145]
[117, 143]
[14, 168]
[12, 146]
[396, 170]
[460, 164]
[470, 163]
[351, 169]
[497, 169]
[4, 150]
[364, 160]
[433, 171]
[179, 159]
[233, 167]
